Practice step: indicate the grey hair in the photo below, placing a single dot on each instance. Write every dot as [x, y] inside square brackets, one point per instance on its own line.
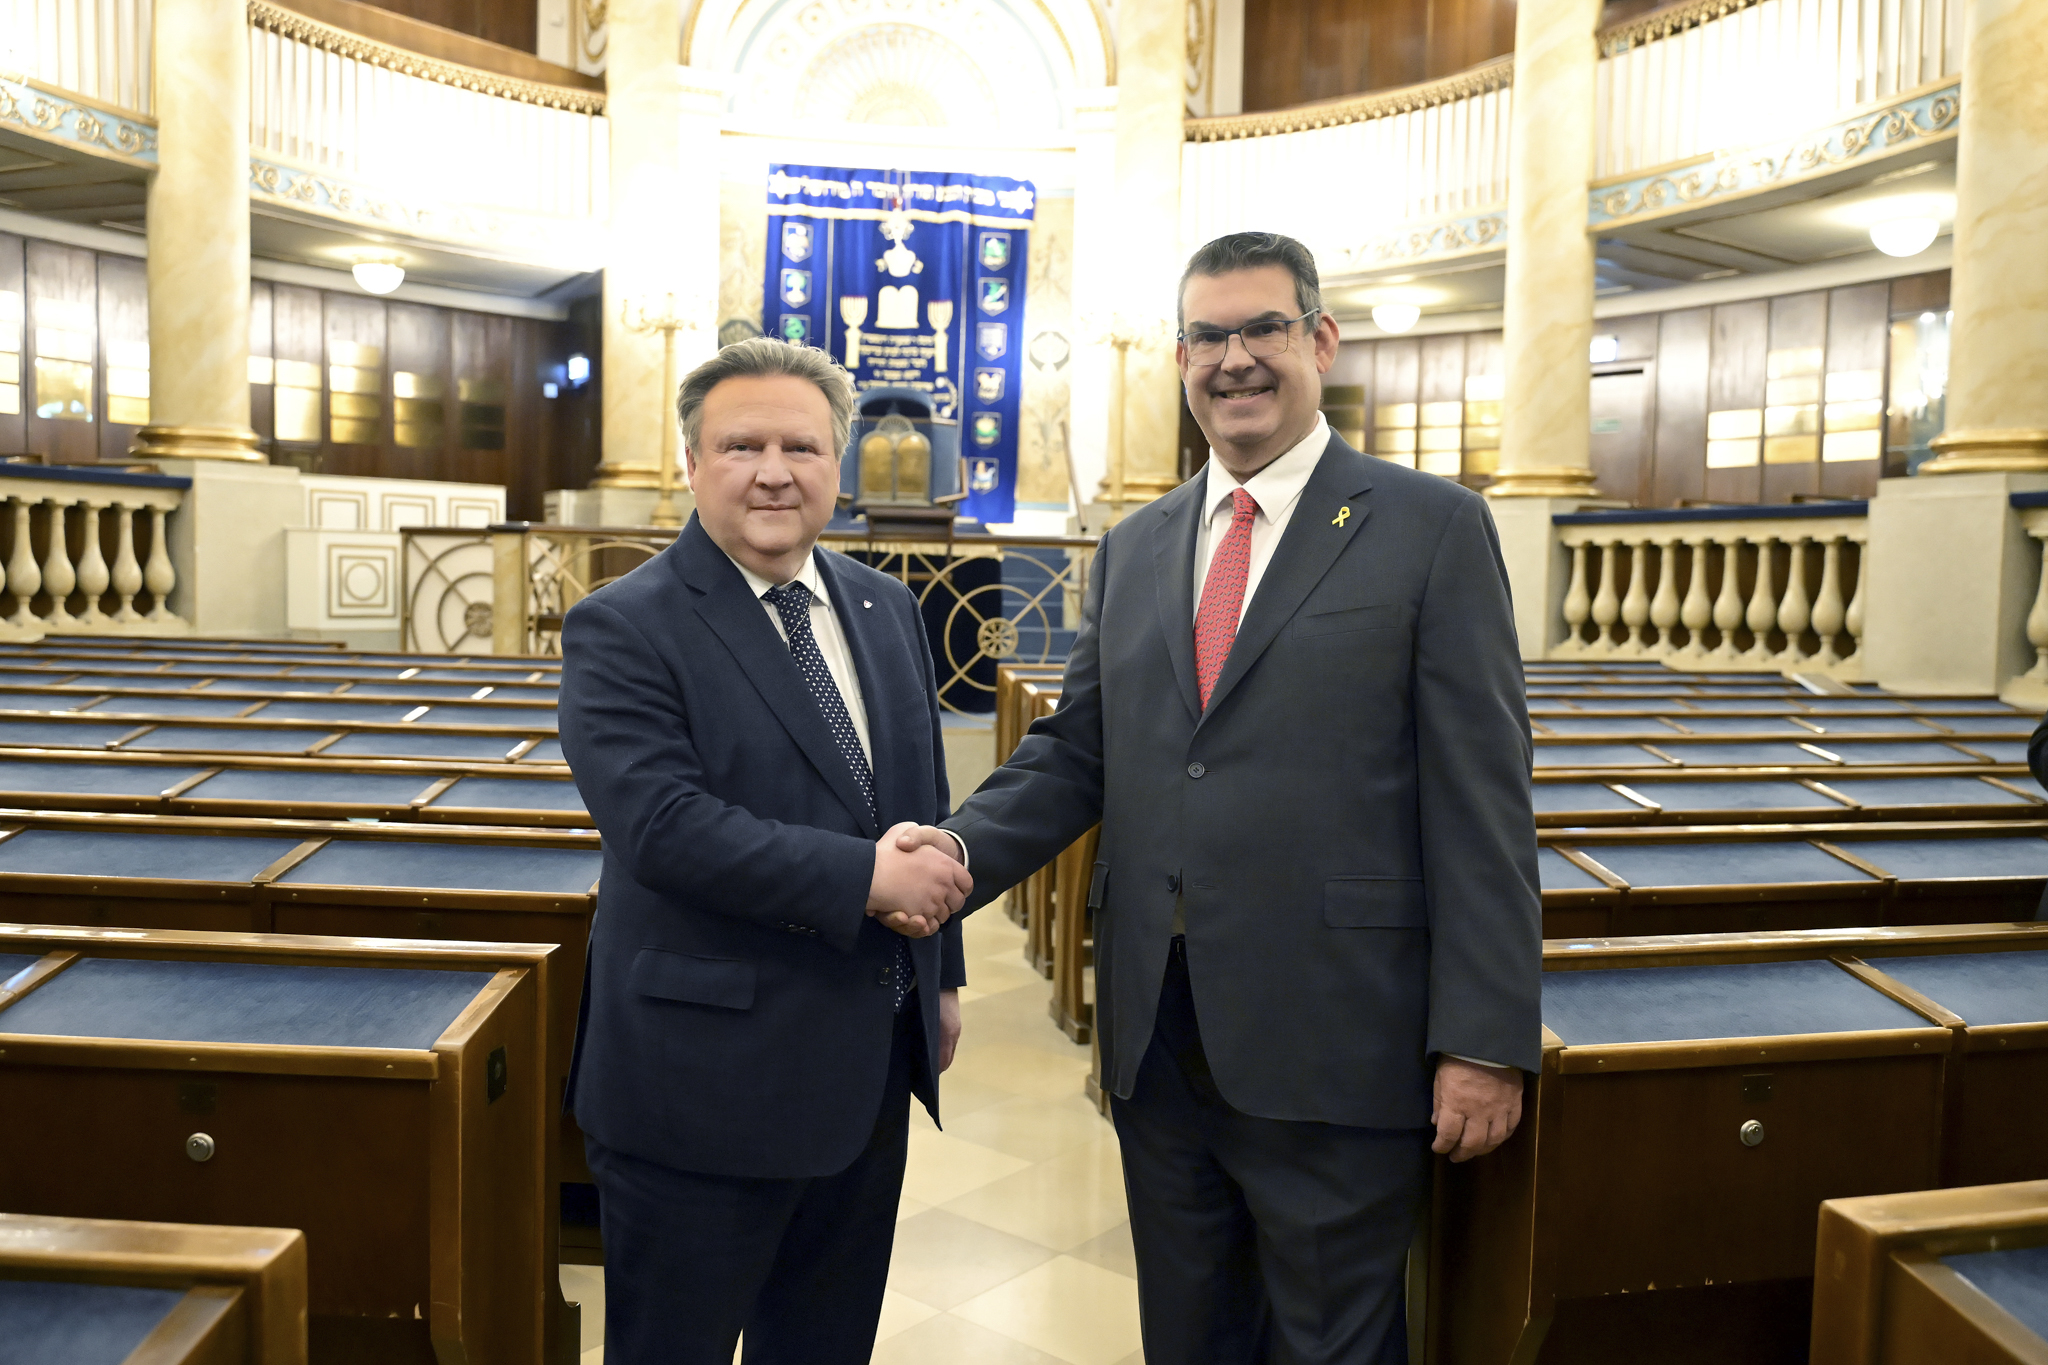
[1249, 251]
[759, 356]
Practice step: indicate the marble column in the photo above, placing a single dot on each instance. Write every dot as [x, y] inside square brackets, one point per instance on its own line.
[1151, 55]
[1546, 448]
[1090, 386]
[663, 119]
[1998, 348]
[199, 237]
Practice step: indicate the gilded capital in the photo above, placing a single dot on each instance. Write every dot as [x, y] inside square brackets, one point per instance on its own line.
[1985, 451]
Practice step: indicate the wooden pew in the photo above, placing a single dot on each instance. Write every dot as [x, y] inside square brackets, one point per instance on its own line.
[391, 1100]
[1038, 699]
[1591, 755]
[262, 701]
[73, 1289]
[1012, 717]
[1734, 796]
[1957, 1276]
[1699, 1098]
[229, 737]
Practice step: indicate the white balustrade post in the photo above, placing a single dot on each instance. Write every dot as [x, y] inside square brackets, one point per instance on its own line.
[1697, 613]
[1728, 605]
[127, 572]
[2037, 619]
[1763, 605]
[1606, 603]
[1635, 607]
[92, 567]
[1664, 606]
[1828, 606]
[1853, 619]
[1794, 611]
[158, 575]
[1577, 607]
[58, 579]
[24, 579]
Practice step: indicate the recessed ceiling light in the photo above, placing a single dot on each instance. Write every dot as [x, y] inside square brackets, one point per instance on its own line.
[1395, 317]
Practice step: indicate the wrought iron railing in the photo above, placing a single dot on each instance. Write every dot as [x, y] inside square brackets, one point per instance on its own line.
[986, 599]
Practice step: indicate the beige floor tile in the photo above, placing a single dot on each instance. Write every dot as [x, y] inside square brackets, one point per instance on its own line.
[943, 1168]
[1134, 1358]
[947, 1340]
[1112, 1251]
[1067, 1308]
[1059, 1203]
[593, 1356]
[1033, 1129]
[900, 1313]
[584, 1284]
[906, 1207]
[1023, 1069]
[942, 1259]
[1002, 972]
[960, 1095]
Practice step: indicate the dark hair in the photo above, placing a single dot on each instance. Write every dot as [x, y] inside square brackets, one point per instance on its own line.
[1249, 251]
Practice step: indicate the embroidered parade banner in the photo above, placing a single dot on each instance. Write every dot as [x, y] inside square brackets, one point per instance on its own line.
[912, 279]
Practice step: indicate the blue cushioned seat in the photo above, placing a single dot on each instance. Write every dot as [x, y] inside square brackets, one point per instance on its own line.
[1558, 797]
[454, 867]
[171, 706]
[2016, 1281]
[1874, 751]
[1874, 725]
[221, 668]
[1987, 725]
[1721, 863]
[325, 670]
[1913, 858]
[90, 779]
[1742, 1000]
[267, 784]
[120, 680]
[275, 686]
[1984, 988]
[223, 739]
[475, 675]
[1742, 706]
[53, 1321]
[1555, 872]
[2025, 782]
[1606, 725]
[512, 793]
[13, 964]
[525, 692]
[45, 701]
[245, 1002]
[1762, 794]
[1676, 687]
[1999, 750]
[365, 712]
[1765, 754]
[521, 717]
[412, 689]
[47, 734]
[550, 751]
[1595, 756]
[1924, 791]
[1854, 706]
[424, 745]
[1742, 725]
[141, 853]
[1984, 704]
[1596, 705]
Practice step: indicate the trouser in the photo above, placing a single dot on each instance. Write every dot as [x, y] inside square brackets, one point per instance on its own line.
[693, 1260]
[1261, 1241]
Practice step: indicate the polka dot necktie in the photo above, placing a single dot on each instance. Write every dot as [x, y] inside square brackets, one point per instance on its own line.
[1223, 594]
[792, 602]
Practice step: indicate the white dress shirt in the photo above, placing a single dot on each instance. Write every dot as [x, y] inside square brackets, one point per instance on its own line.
[1276, 489]
[831, 638]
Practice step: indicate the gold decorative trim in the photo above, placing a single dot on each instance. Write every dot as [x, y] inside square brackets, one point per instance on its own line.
[1664, 22]
[1484, 79]
[2022, 450]
[197, 443]
[1552, 481]
[286, 24]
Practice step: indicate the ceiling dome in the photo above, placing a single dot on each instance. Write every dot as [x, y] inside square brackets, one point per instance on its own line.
[899, 75]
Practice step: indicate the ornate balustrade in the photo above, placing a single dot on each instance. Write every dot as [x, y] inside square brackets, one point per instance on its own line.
[1765, 589]
[97, 49]
[2032, 686]
[86, 550]
[987, 599]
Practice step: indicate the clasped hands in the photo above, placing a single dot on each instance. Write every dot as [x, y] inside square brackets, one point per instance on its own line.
[919, 883]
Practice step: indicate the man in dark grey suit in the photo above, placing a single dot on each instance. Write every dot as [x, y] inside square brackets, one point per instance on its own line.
[1295, 704]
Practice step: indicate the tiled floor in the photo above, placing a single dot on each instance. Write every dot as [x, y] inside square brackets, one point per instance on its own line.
[1012, 1245]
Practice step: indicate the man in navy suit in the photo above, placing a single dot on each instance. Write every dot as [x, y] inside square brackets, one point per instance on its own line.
[751, 719]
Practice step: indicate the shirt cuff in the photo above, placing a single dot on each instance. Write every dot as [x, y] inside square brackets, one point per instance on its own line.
[1480, 1061]
[961, 844]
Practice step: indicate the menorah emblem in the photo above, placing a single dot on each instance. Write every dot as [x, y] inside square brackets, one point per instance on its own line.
[940, 311]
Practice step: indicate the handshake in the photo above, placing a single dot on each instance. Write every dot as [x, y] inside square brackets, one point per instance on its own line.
[919, 882]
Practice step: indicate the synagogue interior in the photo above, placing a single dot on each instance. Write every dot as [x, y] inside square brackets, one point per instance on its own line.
[340, 343]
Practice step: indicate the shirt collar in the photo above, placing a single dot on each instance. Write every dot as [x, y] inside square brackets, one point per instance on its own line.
[1276, 486]
[808, 575]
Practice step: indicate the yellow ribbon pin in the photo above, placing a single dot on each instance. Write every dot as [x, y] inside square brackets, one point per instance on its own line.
[1343, 513]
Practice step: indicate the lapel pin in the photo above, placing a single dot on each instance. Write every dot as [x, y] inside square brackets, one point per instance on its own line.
[865, 603]
[1343, 515]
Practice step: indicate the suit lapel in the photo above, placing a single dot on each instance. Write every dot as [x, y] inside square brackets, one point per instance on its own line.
[1174, 577]
[1315, 536]
[737, 617]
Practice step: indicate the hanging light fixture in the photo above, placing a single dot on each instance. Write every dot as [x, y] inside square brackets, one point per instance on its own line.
[378, 277]
[1395, 317]
[1904, 236]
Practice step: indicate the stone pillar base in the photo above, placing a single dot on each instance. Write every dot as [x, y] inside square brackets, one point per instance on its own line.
[1555, 481]
[627, 476]
[197, 443]
[1989, 452]
[1539, 568]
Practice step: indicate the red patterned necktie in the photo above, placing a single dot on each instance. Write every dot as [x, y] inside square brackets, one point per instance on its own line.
[1223, 594]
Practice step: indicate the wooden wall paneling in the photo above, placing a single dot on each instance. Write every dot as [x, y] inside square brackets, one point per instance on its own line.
[483, 385]
[422, 383]
[262, 373]
[1852, 446]
[1735, 401]
[1464, 33]
[1678, 462]
[1485, 378]
[1621, 408]
[510, 23]
[577, 412]
[124, 354]
[526, 430]
[1347, 393]
[14, 390]
[1297, 51]
[358, 415]
[1926, 293]
[1396, 386]
[63, 341]
[1795, 369]
[298, 346]
[1440, 414]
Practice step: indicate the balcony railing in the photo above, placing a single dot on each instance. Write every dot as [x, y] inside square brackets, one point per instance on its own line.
[87, 550]
[97, 49]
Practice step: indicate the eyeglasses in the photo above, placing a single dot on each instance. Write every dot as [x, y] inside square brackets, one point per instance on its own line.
[1266, 337]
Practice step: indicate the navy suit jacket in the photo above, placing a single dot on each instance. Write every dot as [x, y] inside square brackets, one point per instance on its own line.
[737, 1017]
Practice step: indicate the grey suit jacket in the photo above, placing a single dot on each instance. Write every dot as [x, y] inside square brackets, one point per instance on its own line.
[1348, 825]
